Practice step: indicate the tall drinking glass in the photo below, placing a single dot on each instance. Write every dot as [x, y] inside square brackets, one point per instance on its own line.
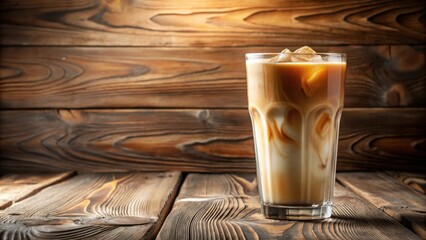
[295, 107]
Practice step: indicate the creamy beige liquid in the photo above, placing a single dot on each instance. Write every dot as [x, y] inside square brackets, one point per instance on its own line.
[295, 110]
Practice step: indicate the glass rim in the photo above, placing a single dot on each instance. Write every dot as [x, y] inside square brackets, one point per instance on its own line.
[248, 55]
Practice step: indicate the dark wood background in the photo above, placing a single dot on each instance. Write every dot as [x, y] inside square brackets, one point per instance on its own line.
[110, 85]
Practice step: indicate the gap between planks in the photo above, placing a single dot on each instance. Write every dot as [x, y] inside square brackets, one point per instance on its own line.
[17, 187]
[169, 204]
[102, 206]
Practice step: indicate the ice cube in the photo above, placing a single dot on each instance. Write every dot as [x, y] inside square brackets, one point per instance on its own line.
[305, 54]
[305, 50]
[284, 56]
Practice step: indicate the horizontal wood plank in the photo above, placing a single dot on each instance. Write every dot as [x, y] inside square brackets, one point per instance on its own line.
[191, 140]
[226, 207]
[396, 199]
[378, 76]
[16, 187]
[94, 206]
[416, 181]
[211, 23]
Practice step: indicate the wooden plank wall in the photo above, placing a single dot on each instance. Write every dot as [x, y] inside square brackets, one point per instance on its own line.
[115, 85]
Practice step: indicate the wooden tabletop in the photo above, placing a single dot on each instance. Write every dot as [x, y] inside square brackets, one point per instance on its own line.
[174, 205]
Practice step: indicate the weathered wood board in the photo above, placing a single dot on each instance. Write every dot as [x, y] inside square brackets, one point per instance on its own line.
[211, 23]
[226, 207]
[40, 77]
[191, 140]
[393, 197]
[416, 181]
[94, 206]
[16, 187]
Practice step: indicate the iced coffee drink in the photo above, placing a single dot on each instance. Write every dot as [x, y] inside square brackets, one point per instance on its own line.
[295, 103]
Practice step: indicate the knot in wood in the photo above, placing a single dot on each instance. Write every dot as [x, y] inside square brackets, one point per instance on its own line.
[397, 95]
[70, 116]
[204, 116]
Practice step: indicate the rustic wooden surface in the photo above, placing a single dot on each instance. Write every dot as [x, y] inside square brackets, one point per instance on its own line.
[119, 54]
[164, 54]
[395, 198]
[94, 206]
[226, 207]
[417, 181]
[378, 76]
[16, 187]
[191, 140]
[211, 23]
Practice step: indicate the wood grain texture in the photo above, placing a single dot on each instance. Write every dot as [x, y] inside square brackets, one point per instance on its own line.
[16, 187]
[191, 140]
[94, 206]
[383, 138]
[396, 199]
[416, 181]
[211, 23]
[212, 206]
[40, 77]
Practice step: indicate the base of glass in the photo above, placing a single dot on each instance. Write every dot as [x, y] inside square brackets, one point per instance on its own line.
[296, 213]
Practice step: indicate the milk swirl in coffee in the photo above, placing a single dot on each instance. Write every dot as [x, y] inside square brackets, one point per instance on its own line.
[295, 103]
